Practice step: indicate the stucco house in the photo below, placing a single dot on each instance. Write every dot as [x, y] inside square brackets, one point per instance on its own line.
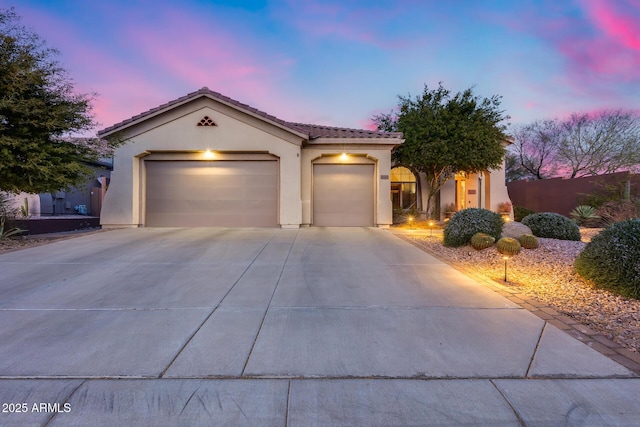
[207, 160]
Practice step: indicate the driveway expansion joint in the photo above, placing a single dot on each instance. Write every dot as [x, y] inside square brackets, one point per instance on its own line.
[244, 368]
[215, 308]
[577, 330]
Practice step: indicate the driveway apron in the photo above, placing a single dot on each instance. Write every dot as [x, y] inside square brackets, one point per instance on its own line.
[260, 326]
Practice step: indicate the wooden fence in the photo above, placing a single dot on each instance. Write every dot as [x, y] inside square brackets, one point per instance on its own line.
[562, 195]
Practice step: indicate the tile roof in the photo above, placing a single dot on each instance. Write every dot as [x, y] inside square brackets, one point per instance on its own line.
[309, 130]
[320, 131]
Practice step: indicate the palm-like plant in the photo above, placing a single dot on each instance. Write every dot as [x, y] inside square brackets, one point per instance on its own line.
[584, 215]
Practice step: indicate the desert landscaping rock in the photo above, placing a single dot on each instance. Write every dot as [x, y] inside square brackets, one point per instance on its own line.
[514, 230]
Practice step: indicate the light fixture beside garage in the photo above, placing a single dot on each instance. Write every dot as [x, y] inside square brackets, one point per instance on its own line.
[344, 157]
[209, 155]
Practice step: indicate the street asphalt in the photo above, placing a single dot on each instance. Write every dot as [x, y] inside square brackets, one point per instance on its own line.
[317, 326]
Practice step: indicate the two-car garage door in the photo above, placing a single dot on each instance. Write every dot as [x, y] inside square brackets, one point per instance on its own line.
[211, 194]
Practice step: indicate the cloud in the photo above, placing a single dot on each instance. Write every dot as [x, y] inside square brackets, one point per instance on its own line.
[385, 25]
[599, 39]
[619, 21]
[183, 48]
[147, 59]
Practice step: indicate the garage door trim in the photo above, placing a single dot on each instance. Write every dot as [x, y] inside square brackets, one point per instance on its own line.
[365, 217]
[206, 211]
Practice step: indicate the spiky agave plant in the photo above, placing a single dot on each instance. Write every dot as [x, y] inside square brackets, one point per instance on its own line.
[584, 215]
[10, 232]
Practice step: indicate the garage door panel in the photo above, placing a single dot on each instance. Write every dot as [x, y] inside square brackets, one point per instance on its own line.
[225, 194]
[343, 195]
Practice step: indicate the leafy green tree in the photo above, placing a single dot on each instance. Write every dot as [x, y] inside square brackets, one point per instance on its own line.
[39, 111]
[445, 134]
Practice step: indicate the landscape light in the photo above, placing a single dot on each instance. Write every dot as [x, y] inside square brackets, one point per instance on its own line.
[505, 258]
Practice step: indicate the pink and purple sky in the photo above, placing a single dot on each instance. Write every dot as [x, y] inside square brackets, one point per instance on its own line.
[339, 62]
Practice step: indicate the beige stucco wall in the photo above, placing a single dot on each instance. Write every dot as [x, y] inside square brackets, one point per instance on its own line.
[499, 193]
[488, 197]
[15, 203]
[176, 130]
[380, 156]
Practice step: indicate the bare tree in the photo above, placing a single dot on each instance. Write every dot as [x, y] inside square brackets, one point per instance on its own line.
[582, 145]
[604, 143]
[536, 146]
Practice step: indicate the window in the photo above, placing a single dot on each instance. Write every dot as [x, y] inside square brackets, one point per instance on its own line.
[403, 188]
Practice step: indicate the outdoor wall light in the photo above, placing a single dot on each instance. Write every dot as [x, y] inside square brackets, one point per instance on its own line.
[344, 157]
[209, 154]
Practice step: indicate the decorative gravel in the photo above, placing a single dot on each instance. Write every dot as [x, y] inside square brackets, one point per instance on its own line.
[13, 243]
[547, 274]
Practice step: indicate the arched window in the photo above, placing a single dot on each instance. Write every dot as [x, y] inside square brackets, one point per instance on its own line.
[403, 188]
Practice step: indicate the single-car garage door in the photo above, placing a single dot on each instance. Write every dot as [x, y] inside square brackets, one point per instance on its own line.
[211, 194]
[343, 195]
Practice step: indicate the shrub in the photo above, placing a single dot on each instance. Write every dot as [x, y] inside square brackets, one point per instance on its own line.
[552, 225]
[504, 207]
[481, 241]
[621, 210]
[467, 222]
[528, 241]
[612, 259]
[584, 215]
[520, 212]
[508, 246]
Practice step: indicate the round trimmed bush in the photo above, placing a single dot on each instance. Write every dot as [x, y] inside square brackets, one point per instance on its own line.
[481, 241]
[612, 259]
[508, 246]
[528, 241]
[552, 225]
[519, 213]
[467, 222]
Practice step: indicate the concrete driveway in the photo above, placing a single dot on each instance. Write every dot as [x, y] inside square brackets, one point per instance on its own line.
[318, 326]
